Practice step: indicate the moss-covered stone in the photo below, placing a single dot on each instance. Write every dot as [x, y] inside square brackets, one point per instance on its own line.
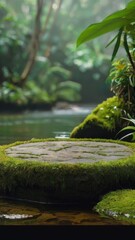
[119, 205]
[104, 121]
[65, 182]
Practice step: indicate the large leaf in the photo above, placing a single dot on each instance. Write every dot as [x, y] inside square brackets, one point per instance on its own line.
[98, 29]
[112, 22]
[125, 13]
[131, 4]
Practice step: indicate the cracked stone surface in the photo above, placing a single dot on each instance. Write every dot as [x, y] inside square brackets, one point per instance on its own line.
[69, 152]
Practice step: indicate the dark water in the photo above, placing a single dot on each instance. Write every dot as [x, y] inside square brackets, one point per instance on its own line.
[26, 213]
[56, 124]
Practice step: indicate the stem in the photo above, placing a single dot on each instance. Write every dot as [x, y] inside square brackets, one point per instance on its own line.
[127, 51]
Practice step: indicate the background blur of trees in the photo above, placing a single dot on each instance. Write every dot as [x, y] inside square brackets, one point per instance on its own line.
[39, 62]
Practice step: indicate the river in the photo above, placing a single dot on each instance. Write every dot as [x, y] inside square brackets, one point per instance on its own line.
[57, 123]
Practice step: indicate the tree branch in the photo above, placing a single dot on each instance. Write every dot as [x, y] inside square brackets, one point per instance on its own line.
[52, 26]
[48, 16]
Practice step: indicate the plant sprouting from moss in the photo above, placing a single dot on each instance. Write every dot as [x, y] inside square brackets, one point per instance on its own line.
[122, 78]
[127, 133]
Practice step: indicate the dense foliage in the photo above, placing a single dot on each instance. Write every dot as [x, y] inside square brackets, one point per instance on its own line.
[53, 30]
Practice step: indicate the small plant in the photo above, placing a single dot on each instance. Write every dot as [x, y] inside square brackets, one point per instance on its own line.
[122, 79]
[129, 131]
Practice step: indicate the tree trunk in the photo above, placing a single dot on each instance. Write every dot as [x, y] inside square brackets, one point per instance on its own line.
[34, 43]
[36, 36]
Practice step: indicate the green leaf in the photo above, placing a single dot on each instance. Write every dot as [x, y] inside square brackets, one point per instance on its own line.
[127, 135]
[133, 138]
[98, 29]
[112, 22]
[127, 128]
[112, 41]
[132, 81]
[125, 13]
[130, 120]
[116, 47]
[131, 4]
[131, 128]
[126, 44]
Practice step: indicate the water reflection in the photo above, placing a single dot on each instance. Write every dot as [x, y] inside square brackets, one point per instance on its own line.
[62, 134]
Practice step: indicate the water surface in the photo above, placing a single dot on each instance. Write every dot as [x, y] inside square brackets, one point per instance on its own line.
[25, 213]
[40, 124]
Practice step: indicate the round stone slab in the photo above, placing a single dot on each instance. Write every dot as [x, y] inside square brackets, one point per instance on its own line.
[69, 151]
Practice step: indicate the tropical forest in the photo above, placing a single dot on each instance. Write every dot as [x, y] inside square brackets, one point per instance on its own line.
[67, 112]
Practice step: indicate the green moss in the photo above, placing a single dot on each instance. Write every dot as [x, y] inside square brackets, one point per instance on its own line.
[118, 204]
[104, 122]
[82, 182]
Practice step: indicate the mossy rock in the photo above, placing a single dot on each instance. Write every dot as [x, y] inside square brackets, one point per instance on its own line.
[65, 182]
[104, 121]
[119, 205]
